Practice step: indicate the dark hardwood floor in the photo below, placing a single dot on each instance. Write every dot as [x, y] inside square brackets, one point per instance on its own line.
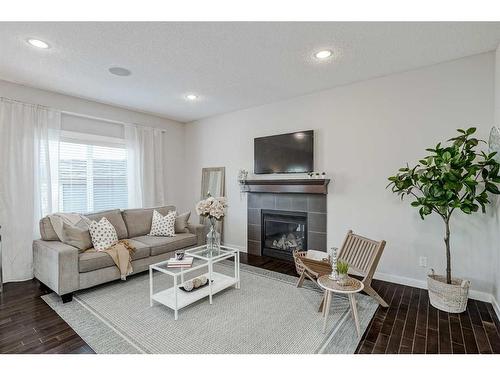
[409, 325]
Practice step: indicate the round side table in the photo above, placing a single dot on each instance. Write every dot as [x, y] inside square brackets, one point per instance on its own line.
[331, 286]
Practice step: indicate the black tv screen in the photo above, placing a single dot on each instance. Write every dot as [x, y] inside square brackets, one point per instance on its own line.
[284, 153]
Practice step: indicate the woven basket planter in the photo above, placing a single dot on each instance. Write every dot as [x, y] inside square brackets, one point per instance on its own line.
[448, 297]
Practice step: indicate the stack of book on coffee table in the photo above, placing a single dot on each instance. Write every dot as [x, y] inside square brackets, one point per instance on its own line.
[185, 262]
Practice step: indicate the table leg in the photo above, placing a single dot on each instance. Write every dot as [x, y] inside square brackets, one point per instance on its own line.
[151, 287]
[210, 282]
[352, 300]
[238, 285]
[323, 304]
[175, 294]
[326, 309]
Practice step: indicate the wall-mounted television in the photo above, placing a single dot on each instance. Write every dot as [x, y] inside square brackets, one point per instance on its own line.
[284, 153]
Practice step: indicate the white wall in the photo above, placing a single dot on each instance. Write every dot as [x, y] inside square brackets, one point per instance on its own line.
[496, 250]
[365, 132]
[175, 130]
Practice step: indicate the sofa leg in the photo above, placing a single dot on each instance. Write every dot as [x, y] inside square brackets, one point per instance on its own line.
[67, 297]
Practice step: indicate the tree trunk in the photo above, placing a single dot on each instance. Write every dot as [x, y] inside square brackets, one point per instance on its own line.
[448, 254]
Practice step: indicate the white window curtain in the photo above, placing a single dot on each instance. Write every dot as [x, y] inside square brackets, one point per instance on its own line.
[28, 163]
[146, 166]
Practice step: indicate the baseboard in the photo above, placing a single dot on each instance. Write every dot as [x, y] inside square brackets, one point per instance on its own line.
[422, 284]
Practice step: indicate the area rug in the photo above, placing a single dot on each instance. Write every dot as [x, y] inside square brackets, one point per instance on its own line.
[268, 315]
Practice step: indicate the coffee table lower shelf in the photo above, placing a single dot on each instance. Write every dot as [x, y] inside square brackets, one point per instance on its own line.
[167, 297]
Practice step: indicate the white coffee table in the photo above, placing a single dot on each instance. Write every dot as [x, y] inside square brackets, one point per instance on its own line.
[176, 298]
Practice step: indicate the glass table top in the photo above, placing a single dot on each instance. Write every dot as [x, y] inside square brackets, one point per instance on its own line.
[202, 252]
[163, 266]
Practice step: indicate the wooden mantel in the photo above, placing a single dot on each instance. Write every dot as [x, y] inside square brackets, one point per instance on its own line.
[304, 186]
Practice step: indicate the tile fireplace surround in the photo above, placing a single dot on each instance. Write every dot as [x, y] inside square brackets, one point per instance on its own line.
[312, 204]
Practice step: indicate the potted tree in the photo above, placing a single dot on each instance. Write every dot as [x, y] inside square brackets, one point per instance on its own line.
[456, 176]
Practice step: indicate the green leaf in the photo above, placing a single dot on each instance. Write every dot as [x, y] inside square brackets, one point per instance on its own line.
[492, 188]
[470, 131]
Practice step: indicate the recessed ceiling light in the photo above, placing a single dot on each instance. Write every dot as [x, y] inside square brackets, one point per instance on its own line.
[191, 97]
[323, 54]
[38, 43]
[119, 71]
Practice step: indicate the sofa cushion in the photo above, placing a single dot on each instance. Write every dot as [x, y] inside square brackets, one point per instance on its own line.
[115, 218]
[138, 220]
[91, 260]
[160, 245]
[47, 232]
[182, 222]
[103, 234]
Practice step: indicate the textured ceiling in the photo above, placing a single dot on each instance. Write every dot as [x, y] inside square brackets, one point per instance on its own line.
[230, 65]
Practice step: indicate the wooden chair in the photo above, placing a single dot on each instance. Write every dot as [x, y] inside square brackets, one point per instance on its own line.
[363, 255]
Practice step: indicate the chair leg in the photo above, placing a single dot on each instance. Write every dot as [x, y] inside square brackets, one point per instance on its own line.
[301, 279]
[371, 292]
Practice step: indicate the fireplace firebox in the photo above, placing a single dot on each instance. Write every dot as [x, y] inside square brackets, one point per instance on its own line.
[282, 232]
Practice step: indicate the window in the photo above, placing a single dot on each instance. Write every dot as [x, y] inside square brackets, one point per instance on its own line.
[92, 175]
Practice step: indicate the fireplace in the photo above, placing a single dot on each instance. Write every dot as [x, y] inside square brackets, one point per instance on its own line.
[283, 232]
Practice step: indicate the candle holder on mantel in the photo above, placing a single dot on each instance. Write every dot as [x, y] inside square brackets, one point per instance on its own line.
[334, 275]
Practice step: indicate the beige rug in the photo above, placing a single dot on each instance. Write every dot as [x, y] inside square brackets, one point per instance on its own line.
[267, 315]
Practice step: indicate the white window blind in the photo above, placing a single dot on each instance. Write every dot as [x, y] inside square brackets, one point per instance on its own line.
[92, 177]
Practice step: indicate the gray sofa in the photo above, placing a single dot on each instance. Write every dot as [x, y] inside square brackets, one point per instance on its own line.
[65, 269]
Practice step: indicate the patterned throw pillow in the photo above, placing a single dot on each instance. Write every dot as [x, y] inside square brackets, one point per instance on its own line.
[103, 234]
[163, 225]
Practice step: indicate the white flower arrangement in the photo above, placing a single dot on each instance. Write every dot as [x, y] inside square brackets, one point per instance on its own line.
[211, 207]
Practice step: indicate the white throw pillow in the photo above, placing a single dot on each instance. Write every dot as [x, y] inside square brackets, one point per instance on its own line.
[103, 234]
[163, 225]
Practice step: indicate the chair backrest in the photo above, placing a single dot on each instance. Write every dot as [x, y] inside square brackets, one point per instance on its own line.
[361, 253]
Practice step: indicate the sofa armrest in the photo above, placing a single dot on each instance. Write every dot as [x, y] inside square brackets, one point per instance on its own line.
[199, 230]
[56, 265]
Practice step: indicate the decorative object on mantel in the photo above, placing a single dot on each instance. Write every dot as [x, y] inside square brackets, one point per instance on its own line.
[317, 175]
[242, 177]
[454, 176]
[213, 209]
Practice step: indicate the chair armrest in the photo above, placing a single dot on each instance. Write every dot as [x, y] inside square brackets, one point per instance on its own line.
[56, 265]
[199, 230]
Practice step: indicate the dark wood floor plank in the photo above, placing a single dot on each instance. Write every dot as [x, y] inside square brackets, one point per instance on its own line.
[444, 333]
[366, 347]
[411, 317]
[483, 312]
[457, 348]
[456, 330]
[432, 343]
[474, 315]
[481, 339]
[494, 315]
[419, 344]
[470, 341]
[493, 336]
